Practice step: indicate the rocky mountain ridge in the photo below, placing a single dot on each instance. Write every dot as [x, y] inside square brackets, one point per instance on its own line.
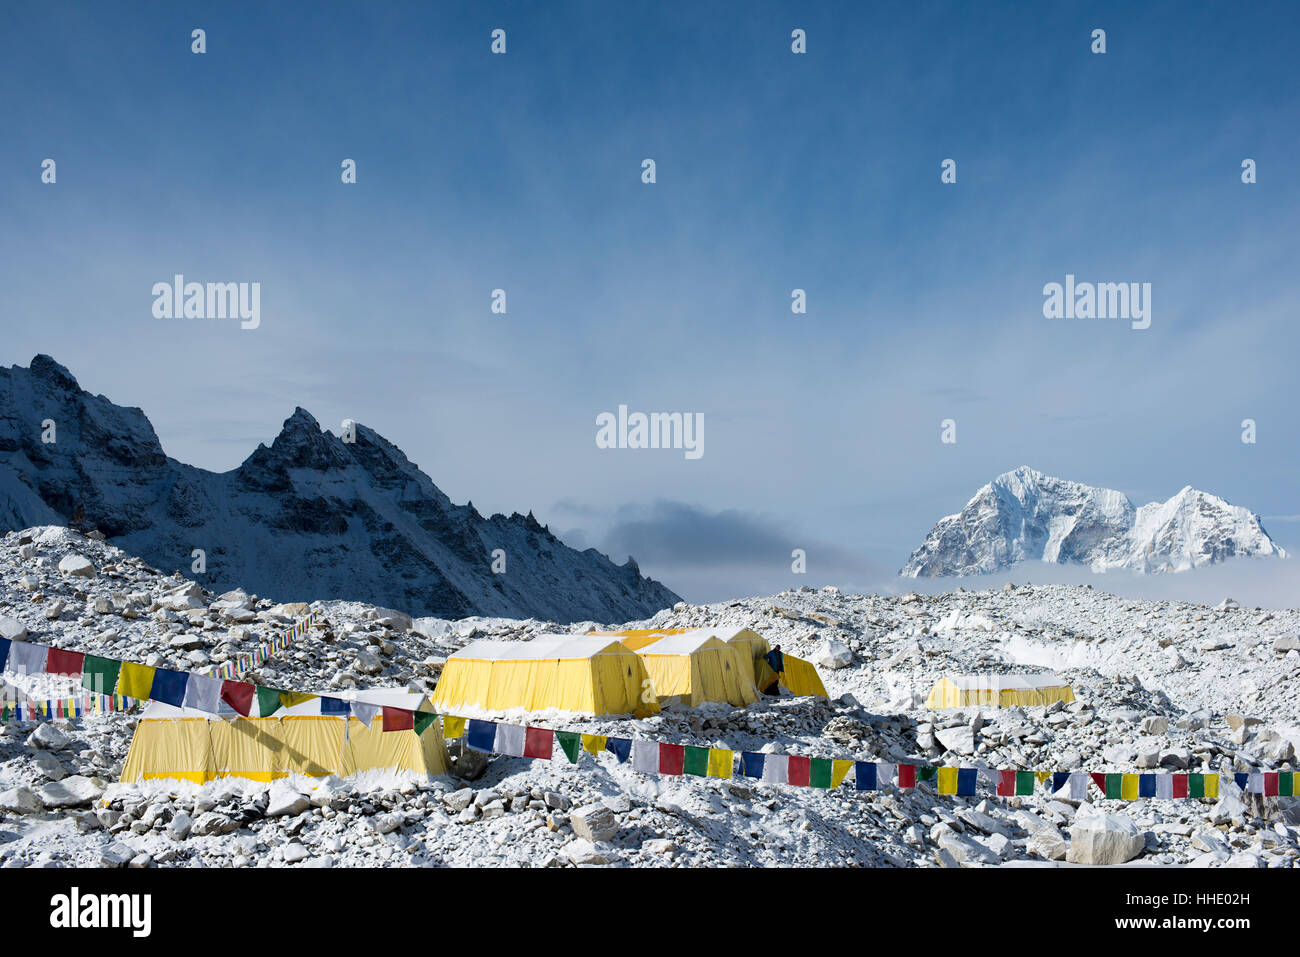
[309, 516]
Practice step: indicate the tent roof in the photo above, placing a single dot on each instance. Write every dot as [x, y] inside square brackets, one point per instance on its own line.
[989, 682]
[685, 643]
[383, 697]
[540, 648]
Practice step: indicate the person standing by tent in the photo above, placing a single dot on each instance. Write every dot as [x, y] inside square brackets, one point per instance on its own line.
[776, 661]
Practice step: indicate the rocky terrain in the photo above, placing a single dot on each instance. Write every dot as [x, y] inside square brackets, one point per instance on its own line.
[310, 515]
[1161, 685]
[1024, 515]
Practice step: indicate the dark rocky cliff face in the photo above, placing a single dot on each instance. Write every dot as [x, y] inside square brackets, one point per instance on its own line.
[307, 517]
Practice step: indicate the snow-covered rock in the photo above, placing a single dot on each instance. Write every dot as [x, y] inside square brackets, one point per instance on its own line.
[1100, 838]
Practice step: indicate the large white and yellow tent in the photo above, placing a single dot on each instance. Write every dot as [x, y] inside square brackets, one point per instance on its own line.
[799, 678]
[999, 691]
[575, 673]
[189, 745]
[693, 667]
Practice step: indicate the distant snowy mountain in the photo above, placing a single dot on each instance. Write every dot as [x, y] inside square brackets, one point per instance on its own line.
[1026, 515]
[309, 517]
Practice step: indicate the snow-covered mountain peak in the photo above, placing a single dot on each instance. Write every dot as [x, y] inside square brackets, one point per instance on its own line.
[1025, 514]
[310, 515]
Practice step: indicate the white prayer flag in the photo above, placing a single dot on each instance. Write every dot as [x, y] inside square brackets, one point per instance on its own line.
[776, 768]
[203, 694]
[509, 740]
[645, 756]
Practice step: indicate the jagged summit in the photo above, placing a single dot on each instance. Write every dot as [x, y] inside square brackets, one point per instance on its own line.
[309, 515]
[1025, 515]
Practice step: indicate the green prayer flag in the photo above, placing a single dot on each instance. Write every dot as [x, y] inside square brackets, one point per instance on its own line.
[268, 701]
[1195, 785]
[926, 772]
[99, 674]
[571, 743]
[1114, 785]
[423, 719]
[1286, 784]
[819, 774]
[696, 761]
[1025, 781]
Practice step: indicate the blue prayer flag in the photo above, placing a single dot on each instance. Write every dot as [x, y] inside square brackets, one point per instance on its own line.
[481, 735]
[621, 748]
[169, 686]
[866, 775]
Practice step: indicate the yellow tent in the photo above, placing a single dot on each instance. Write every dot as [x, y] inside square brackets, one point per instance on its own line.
[191, 745]
[799, 678]
[576, 673]
[697, 666]
[998, 691]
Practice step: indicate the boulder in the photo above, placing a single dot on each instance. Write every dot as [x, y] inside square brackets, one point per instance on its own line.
[179, 827]
[1229, 809]
[12, 628]
[116, 854]
[72, 791]
[963, 850]
[295, 852]
[19, 800]
[79, 566]
[960, 739]
[1287, 643]
[582, 851]
[210, 823]
[367, 662]
[1100, 838]
[48, 737]
[595, 822]
[1156, 724]
[285, 800]
[833, 654]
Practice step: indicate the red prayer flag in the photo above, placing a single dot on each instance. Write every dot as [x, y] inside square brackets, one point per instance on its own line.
[907, 775]
[671, 758]
[60, 662]
[1007, 783]
[239, 695]
[1100, 781]
[537, 742]
[798, 770]
[399, 719]
[1180, 785]
[1270, 782]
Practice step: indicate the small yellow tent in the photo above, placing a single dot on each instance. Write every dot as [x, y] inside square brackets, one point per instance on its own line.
[191, 745]
[576, 673]
[697, 666]
[998, 691]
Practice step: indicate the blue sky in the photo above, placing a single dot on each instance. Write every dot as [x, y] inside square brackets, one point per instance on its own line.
[775, 171]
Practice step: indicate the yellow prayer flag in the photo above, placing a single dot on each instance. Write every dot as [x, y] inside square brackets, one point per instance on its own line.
[1211, 785]
[839, 769]
[721, 762]
[1041, 776]
[452, 727]
[947, 780]
[593, 743]
[1128, 787]
[290, 698]
[135, 681]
